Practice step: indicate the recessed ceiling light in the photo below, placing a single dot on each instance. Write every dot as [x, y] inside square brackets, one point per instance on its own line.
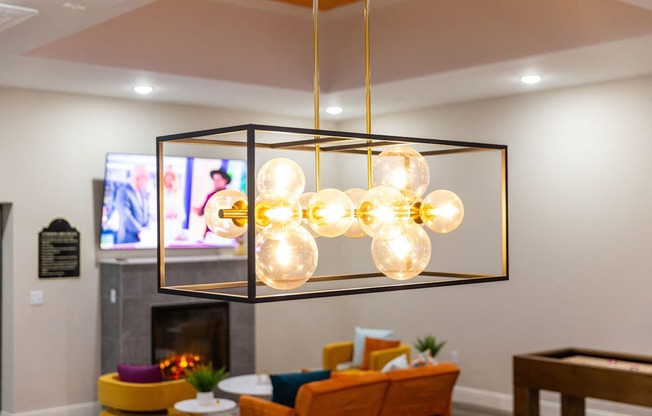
[74, 6]
[334, 110]
[531, 79]
[143, 89]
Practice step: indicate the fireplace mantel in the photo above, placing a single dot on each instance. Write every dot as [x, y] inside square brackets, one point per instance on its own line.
[128, 292]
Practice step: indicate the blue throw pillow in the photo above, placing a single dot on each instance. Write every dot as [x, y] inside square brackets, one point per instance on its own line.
[358, 341]
[286, 386]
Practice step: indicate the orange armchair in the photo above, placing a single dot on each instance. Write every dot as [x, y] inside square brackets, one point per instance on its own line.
[342, 352]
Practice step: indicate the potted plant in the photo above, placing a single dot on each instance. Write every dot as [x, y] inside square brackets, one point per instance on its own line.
[204, 380]
[429, 348]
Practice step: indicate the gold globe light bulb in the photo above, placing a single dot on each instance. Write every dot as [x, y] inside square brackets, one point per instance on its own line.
[287, 262]
[355, 231]
[277, 212]
[401, 250]
[330, 212]
[403, 168]
[380, 206]
[281, 174]
[304, 200]
[442, 211]
[226, 199]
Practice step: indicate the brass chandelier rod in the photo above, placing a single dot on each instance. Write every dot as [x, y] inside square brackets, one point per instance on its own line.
[367, 88]
[315, 37]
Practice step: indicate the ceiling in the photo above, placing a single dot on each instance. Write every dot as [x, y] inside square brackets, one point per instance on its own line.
[323, 4]
[257, 54]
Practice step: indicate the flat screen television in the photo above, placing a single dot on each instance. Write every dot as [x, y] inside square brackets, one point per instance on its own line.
[129, 214]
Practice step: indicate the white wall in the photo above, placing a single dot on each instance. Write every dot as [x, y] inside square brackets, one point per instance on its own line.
[580, 172]
[52, 148]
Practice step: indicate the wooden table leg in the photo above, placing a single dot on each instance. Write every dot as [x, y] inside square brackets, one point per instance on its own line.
[526, 401]
[572, 405]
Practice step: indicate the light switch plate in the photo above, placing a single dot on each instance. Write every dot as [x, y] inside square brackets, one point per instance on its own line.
[36, 297]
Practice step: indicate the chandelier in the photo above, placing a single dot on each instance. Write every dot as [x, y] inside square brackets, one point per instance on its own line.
[282, 223]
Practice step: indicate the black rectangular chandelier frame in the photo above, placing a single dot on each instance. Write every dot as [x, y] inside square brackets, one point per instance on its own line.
[327, 141]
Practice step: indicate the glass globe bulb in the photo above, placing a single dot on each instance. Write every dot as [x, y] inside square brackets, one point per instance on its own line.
[442, 211]
[288, 262]
[379, 206]
[225, 227]
[403, 168]
[355, 231]
[277, 212]
[401, 250]
[304, 200]
[281, 174]
[330, 212]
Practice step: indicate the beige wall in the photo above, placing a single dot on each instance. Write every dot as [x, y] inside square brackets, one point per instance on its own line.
[580, 172]
[52, 148]
[580, 236]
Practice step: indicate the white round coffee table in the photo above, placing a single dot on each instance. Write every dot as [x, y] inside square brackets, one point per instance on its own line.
[252, 384]
[191, 406]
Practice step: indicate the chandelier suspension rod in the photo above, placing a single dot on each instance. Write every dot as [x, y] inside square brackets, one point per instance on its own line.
[367, 88]
[315, 37]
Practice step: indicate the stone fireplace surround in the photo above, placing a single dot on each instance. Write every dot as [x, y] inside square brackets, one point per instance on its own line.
[126, 317]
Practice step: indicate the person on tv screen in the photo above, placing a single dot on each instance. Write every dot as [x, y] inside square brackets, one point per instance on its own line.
[220, 179]
[133, 210]
[173, 205]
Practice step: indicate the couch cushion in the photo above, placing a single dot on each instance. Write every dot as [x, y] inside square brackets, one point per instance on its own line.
[285, 386]
[249, 405]
[398, 363]
[140, 373]
[359, 395]
[376, 344]
[420, 391]
[358, 341]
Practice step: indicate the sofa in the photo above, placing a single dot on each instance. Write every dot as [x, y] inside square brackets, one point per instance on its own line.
[420, 391]
[339, 353]
[141, 397]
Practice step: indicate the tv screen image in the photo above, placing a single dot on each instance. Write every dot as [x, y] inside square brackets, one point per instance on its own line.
[129, 215]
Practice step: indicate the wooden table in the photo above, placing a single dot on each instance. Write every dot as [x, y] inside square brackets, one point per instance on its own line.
[580, 373]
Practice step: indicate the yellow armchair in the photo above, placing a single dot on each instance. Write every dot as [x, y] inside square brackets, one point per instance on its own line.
[342, 352]
[141, 397]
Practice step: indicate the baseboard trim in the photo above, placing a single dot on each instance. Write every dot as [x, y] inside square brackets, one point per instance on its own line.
[80, 409]
[502, 402]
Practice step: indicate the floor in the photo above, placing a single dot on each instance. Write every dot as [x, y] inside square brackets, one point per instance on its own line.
[458, 410]
[469, 410]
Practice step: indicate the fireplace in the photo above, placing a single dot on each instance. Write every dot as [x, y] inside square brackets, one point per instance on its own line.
[129, 298]
[186, 335]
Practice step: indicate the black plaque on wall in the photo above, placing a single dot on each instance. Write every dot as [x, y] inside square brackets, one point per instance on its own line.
[58, 251]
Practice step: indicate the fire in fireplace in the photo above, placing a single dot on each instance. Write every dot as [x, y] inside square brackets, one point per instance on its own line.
[175, 366]
[186, 335]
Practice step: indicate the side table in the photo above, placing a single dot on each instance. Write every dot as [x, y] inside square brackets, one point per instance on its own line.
[191, 406]
[251, 384]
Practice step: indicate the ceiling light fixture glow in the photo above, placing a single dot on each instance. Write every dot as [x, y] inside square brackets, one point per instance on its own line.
[143, 89]
[531, 79]
[334, 110]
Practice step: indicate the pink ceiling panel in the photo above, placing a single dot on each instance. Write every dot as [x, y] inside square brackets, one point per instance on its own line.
[221, 40]
[199, 38]
[422, 37]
